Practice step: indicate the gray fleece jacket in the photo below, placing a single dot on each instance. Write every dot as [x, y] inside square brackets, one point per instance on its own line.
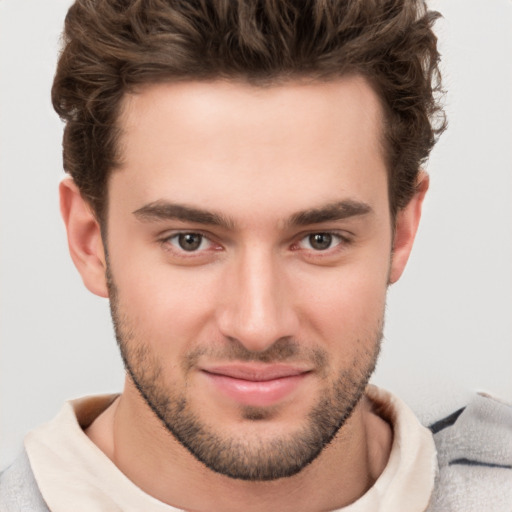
[474, 446]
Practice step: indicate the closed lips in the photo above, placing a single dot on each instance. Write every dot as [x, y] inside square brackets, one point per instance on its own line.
[256, 374]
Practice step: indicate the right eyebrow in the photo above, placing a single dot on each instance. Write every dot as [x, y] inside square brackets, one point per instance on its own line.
[164, 210]
[330, 212]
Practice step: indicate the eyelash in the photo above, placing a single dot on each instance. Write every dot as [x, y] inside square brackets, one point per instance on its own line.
[343, 242]
[169, 246]
[340, 245]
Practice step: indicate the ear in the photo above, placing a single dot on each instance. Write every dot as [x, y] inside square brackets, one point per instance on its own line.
[406, 225]
[84, 238]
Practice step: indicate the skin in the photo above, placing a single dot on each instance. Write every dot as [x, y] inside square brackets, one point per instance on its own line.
[257, 157]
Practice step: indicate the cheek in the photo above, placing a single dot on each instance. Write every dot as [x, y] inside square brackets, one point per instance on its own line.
[345, 306]
[152, 288]
[350, 302]
[167, 307]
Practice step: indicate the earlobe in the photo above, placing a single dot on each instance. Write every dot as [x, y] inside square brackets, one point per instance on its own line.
[84, 238]
[406, 226]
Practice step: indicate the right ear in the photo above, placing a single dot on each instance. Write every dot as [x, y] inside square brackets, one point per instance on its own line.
[84, 238]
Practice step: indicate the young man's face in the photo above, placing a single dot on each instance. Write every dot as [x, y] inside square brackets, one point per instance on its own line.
[249, 251]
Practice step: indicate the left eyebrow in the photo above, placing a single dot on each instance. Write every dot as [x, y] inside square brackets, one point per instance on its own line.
[330, 212]
[163, 210]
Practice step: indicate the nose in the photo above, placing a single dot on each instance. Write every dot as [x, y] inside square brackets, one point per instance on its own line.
[257, 305]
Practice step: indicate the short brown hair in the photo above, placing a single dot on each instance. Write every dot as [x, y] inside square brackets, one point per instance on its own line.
[113, 46]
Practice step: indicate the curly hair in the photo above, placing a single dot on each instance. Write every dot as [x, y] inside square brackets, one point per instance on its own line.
[113, 46]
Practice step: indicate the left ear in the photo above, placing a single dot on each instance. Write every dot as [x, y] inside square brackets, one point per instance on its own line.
[406, 225]
[84, 237]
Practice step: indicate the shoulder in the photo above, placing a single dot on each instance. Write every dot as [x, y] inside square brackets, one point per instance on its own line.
[474, 450]
[18, 488]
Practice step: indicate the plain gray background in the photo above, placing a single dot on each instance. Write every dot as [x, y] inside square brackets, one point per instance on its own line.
[448, 329]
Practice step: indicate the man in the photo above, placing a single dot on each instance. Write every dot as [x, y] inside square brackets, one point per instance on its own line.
[245, 184]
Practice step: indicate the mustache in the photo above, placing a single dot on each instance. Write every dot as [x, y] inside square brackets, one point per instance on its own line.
[282, 350]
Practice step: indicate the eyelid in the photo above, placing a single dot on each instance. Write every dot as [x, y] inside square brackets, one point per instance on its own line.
[175, 240]
[165, 238]
[345, 239]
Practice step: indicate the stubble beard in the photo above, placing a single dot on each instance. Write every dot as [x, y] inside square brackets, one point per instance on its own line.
[255, 459]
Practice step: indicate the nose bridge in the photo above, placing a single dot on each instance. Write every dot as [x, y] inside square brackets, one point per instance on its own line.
[256, 308]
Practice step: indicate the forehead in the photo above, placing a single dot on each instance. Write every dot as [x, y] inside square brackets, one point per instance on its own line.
[224, 143]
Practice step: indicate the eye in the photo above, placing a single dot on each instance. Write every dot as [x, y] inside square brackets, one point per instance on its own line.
[320, 241]
[189, 242]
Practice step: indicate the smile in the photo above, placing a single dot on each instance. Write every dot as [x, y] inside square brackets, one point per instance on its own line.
[256, 386]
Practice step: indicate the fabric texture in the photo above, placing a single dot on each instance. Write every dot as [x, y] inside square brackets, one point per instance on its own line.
[474, 447]
[18, 488]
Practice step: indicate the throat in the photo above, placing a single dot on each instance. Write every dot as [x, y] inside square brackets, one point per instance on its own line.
[156, 463]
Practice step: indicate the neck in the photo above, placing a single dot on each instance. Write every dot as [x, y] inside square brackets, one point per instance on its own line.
[134, 439]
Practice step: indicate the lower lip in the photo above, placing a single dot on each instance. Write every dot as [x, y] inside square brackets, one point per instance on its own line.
[256, 393]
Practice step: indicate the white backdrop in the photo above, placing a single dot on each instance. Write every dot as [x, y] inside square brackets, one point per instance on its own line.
[449, 319]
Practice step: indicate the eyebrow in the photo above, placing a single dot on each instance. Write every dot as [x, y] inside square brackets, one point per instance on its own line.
[164, 210]
[330, 212]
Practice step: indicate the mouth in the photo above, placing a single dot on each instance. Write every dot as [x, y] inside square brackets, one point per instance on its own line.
[256, 385]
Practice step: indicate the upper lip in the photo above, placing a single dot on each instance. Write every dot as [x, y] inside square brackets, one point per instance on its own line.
[256, 372]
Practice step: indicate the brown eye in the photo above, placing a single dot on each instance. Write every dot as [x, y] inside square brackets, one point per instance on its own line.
[320, 241]
[189, 241]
